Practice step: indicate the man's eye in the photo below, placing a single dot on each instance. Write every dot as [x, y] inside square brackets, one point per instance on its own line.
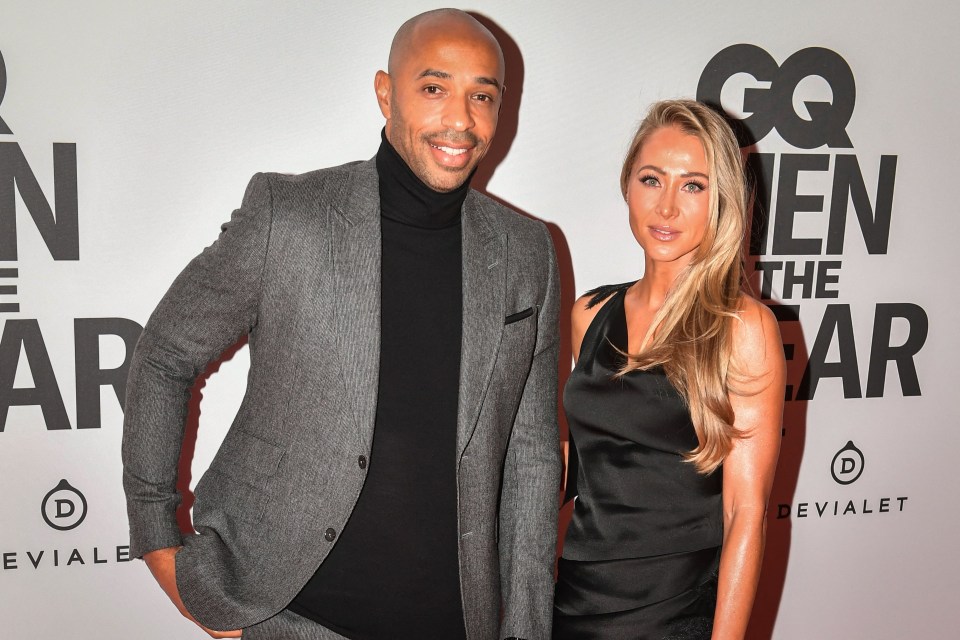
[432, 89]
[483, 97]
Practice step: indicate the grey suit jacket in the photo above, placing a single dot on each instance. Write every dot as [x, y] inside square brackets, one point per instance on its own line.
[297, 269]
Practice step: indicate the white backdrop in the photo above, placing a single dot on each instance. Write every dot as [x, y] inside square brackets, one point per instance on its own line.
[173, 106]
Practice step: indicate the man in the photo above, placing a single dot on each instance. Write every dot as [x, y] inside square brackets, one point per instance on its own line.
[393, 469]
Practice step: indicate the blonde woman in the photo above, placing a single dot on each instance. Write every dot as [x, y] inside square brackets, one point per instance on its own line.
[674, 405]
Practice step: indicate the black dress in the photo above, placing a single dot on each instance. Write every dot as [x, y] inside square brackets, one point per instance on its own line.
[641, 554]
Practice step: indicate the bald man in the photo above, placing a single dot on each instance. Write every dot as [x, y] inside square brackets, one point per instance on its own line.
[392, 471]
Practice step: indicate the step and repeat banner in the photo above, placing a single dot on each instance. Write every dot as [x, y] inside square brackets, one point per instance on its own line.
[128, 132]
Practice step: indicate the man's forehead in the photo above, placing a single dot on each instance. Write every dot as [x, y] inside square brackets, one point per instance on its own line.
[446, 57]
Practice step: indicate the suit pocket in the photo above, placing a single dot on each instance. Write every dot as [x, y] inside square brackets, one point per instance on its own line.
[222, 499]
[247, 458]
[517, 343]
[519, 334]
[518, 316]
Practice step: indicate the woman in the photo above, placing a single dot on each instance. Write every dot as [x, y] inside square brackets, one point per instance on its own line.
[674, 405]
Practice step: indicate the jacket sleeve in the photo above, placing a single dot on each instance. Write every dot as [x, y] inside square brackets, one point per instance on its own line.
[531, 476]
[211, 304]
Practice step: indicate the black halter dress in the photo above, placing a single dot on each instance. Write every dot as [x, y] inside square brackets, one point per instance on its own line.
[641, 554]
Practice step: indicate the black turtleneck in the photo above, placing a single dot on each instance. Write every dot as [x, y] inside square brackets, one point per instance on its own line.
[394, 571]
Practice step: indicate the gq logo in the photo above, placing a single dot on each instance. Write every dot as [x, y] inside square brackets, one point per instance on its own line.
[772, 107]
[847, 464]
[64, 507]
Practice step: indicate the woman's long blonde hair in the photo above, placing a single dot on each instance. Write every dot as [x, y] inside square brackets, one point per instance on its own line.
[691, 334]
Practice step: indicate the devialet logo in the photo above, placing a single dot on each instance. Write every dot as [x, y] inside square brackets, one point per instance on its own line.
[63, 508]
[846, 468]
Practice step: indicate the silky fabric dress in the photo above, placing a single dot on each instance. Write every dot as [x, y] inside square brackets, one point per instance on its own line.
[641, 553]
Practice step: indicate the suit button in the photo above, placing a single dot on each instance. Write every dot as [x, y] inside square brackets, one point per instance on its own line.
[362, 462]
[330, 534]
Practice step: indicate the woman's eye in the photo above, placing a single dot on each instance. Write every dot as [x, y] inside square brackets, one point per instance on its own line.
[694, 187]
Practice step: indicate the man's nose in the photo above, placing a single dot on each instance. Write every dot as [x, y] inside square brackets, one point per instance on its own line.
[457, 114]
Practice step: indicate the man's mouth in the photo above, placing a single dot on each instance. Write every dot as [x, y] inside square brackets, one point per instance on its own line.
[454, 158]
[450, 151]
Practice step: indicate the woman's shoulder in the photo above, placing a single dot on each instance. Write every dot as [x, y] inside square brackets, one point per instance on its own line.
[589, 304]
[756, 336]
[586, 308]
[594, 297]
[753, 313]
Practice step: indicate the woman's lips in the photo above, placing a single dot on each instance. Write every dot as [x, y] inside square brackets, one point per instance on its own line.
[664, 234]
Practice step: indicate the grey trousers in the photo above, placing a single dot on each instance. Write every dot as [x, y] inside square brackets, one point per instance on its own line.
[289, 626]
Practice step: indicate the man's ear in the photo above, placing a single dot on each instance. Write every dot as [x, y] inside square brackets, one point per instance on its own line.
[382, 86]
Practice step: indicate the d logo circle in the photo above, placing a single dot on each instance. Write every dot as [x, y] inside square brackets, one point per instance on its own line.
[847, 464]
[64, 507]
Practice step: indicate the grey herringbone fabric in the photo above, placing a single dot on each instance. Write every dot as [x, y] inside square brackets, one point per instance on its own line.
[298, 270]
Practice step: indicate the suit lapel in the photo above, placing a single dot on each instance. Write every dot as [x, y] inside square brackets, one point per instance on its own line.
[484, 277]
[356, 276]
